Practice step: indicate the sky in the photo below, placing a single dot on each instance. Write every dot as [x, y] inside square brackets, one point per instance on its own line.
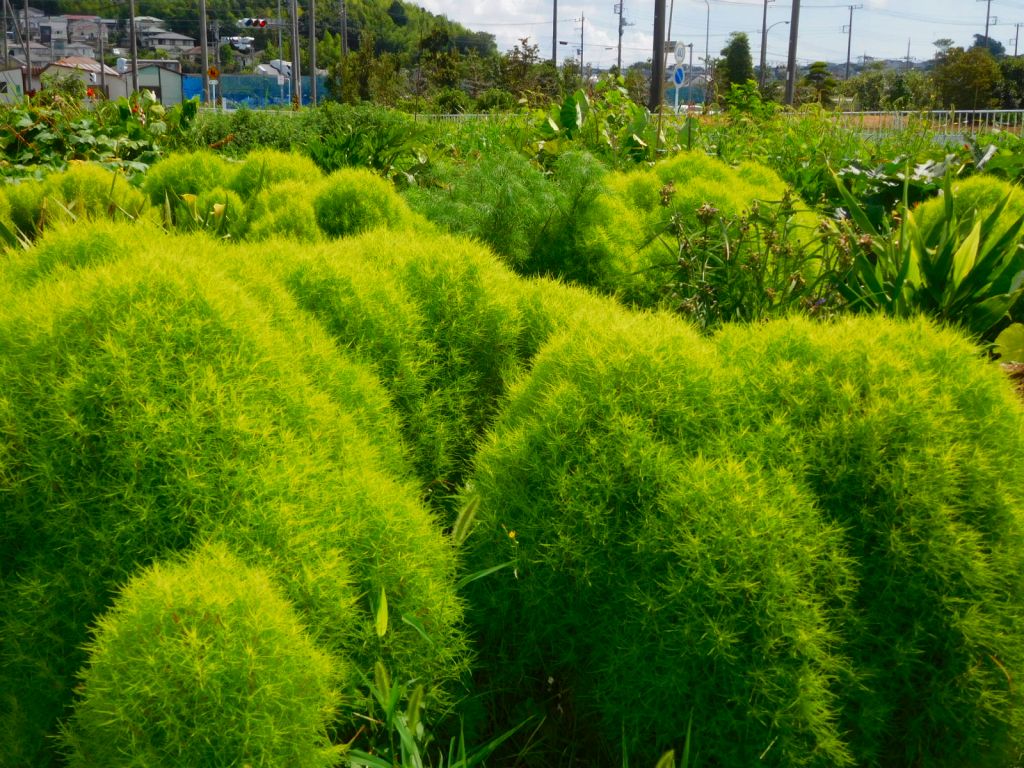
[882, 29]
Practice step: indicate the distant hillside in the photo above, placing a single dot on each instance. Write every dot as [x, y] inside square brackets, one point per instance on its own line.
[397, 26]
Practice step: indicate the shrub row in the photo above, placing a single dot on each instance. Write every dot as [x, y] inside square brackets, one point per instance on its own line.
[799, 543]
[152, 404]
[268, 193]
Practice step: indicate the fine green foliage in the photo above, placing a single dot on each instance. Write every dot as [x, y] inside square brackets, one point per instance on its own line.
[25, 198]
[154, 402]
[651, 562]
[527, 217]
[632, 233]
[86, 190]
[186, 173]
[203, 662]
[904, 437]
[263, 168]
[807, 529]
[443, 323]
[69, 246]
[353, 200]
[285, 209]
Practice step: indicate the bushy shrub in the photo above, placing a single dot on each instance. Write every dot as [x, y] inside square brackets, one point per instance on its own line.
[528, 218]
[153, 402]
[24, 199]
[285, 209]
[70, 246]
[263, 168]
[633, 234]
[803, 536]
[87, 190]
[6, 222]
[353, 200]
[657, 576]
[908, 442]
[187, 173]
[203, 662]
[445, 325]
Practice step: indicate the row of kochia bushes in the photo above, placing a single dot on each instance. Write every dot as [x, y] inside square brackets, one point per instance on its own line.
[800, 544]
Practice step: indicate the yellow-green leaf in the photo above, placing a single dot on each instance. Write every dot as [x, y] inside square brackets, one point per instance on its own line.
[382, 614]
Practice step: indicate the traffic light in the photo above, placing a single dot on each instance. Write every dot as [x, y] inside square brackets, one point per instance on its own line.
[258, 22]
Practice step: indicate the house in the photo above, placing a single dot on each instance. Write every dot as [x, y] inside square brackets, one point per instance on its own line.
[162, 40]
[164, 81]
[11, 85]
[93, 74]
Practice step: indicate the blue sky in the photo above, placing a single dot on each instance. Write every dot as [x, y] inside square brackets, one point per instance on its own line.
[881, 28]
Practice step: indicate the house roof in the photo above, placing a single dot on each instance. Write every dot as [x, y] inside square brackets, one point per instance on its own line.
[163, 34]
[86, 64]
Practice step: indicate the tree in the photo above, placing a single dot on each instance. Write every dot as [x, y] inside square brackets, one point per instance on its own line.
[993, 46]
[1011, 86]
[737, 65]
[967, 79]
[943, 46]
[820, 83]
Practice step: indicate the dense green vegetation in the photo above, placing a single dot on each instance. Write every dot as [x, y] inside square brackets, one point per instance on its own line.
[564, 439]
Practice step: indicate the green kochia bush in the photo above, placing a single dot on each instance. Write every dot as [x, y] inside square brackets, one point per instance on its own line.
[353, 200]
[285, 209]
[83, 191]
[186, 173]
[627, 239]
[153, 402]
[807, 537]
[444, 324]
[914, 447]
[203, 662]
[657, 575]
[263, 168]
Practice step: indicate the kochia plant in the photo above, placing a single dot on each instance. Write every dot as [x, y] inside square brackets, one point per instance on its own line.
[203, 662]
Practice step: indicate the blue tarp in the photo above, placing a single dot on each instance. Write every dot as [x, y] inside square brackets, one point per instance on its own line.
[254, 91]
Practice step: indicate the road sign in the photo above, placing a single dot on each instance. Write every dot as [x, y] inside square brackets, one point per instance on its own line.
[678, 76]
[680, 53]
[213, 72]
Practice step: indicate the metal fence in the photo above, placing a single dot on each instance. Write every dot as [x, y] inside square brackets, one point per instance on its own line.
[952, 125]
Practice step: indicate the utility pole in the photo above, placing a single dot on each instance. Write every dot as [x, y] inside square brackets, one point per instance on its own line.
[988, 17]
[1016, 39]
[312, 51]
[794, 29]
[908, 55]
[344, 28]
[657, 95]
[135, 44]
[204, 46]
[583, 24]
[618, 60]
[103, 66]
[3, 28]
[849, 39]
[764, 43]
[27, 41]
[554, 34]
[296, 70]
